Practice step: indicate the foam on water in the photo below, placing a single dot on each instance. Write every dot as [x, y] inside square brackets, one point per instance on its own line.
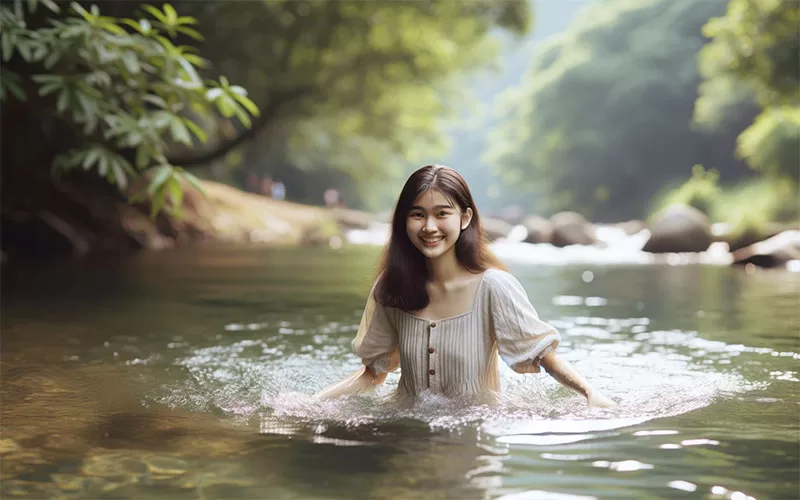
[613, 247]
[650, 374]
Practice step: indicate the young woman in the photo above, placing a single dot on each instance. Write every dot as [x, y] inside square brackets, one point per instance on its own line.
[443, 306]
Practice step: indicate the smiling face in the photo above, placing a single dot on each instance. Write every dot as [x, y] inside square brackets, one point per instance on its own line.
[434, 223]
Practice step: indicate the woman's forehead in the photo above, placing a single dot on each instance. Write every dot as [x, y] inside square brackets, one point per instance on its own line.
[433, 198]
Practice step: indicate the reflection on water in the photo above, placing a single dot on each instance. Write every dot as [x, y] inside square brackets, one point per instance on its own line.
[188, 375]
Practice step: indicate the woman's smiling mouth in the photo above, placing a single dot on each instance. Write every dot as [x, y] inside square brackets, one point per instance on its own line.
[431, 242]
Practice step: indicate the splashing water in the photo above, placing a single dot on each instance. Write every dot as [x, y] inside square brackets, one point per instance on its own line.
[650, 374]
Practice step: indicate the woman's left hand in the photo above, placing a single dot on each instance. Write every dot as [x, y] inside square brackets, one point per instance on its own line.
[597, 400]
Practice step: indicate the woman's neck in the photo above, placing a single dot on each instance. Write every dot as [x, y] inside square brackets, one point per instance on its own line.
[445, 268]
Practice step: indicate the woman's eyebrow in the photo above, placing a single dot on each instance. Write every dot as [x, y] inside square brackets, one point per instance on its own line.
[437, 207]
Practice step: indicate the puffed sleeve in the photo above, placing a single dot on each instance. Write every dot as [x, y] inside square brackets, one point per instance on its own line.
[522, 338]
[376, 341]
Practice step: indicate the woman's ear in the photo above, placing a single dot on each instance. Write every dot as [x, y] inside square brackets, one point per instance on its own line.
[466, 218]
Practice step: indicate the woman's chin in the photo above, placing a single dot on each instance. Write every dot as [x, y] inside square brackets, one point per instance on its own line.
[432, 252]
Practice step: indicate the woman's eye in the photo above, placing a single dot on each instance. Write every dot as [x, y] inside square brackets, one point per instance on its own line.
[415, 215]
[443, 214]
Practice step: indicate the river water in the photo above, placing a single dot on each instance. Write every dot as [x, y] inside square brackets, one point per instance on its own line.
[189, 374]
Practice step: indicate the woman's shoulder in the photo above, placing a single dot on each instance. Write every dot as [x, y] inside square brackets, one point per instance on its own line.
[495, 277]
[502, 285]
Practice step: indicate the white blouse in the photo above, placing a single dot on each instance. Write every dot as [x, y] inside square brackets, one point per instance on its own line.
[457, 356]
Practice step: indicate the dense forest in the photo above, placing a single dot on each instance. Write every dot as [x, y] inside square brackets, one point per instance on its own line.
[611, 108]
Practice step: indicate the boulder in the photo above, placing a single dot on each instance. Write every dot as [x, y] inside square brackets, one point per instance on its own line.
[495, 228]
[678, 228]
[737, 240]
[772, 252]
[572, 228]
[540, 230]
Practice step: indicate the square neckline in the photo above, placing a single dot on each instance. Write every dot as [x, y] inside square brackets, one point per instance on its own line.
[470, 311]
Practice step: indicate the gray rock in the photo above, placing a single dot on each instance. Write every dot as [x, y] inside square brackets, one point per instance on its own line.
[572, 228]
[772, 252]
[495, 228]
[540, 230]
[678, 228]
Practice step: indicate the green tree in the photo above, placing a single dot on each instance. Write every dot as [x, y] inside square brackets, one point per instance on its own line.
[754, 54]
[602, 120]
[359, 87]
[109, 94]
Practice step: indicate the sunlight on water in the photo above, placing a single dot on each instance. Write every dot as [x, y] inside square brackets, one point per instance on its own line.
[650, 374]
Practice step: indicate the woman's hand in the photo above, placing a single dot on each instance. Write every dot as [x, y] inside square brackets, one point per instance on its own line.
[361, 380]
[597, 400]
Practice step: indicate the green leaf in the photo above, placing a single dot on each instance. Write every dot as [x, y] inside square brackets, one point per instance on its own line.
[194, 81]
[142, 157]
[91, 158]
[131, 62]
[158, 201]
[49, 88]
[50, 4]
[191, 33]
[172, 16]
[155, 100]
[88, 106]
[213, 94]
[179, 131]
[102, 166]
[10, 81]
[52, 59]
[63, 100]
[161, 175]
[196, 130]
[226, 106]
[194, 181]
[196, 60]
[155, 13]
[118, 176]
[24, 49]
[243, 117]
[8, 45]
[247, 103]
[133, 24]
[175, 192]
[81, 11]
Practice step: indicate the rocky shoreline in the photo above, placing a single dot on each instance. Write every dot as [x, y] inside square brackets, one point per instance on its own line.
[227, 215]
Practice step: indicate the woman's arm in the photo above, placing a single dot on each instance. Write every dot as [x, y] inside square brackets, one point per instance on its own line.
[565, 374]
[365, 378]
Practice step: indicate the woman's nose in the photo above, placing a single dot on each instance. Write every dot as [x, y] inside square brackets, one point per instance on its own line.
[430, 224]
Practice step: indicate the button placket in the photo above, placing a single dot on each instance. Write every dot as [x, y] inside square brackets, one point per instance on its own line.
[433, 337]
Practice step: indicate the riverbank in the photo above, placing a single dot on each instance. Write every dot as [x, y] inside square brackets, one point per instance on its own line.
[79, 222]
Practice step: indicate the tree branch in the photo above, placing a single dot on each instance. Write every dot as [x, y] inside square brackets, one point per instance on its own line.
[268, 113]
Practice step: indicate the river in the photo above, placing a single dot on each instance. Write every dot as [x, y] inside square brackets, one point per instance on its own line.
[189, 374]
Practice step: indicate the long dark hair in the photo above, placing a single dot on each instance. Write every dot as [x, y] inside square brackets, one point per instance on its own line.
[403, 272]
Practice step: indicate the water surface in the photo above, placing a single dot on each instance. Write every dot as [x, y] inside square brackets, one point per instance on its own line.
[189, 374]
